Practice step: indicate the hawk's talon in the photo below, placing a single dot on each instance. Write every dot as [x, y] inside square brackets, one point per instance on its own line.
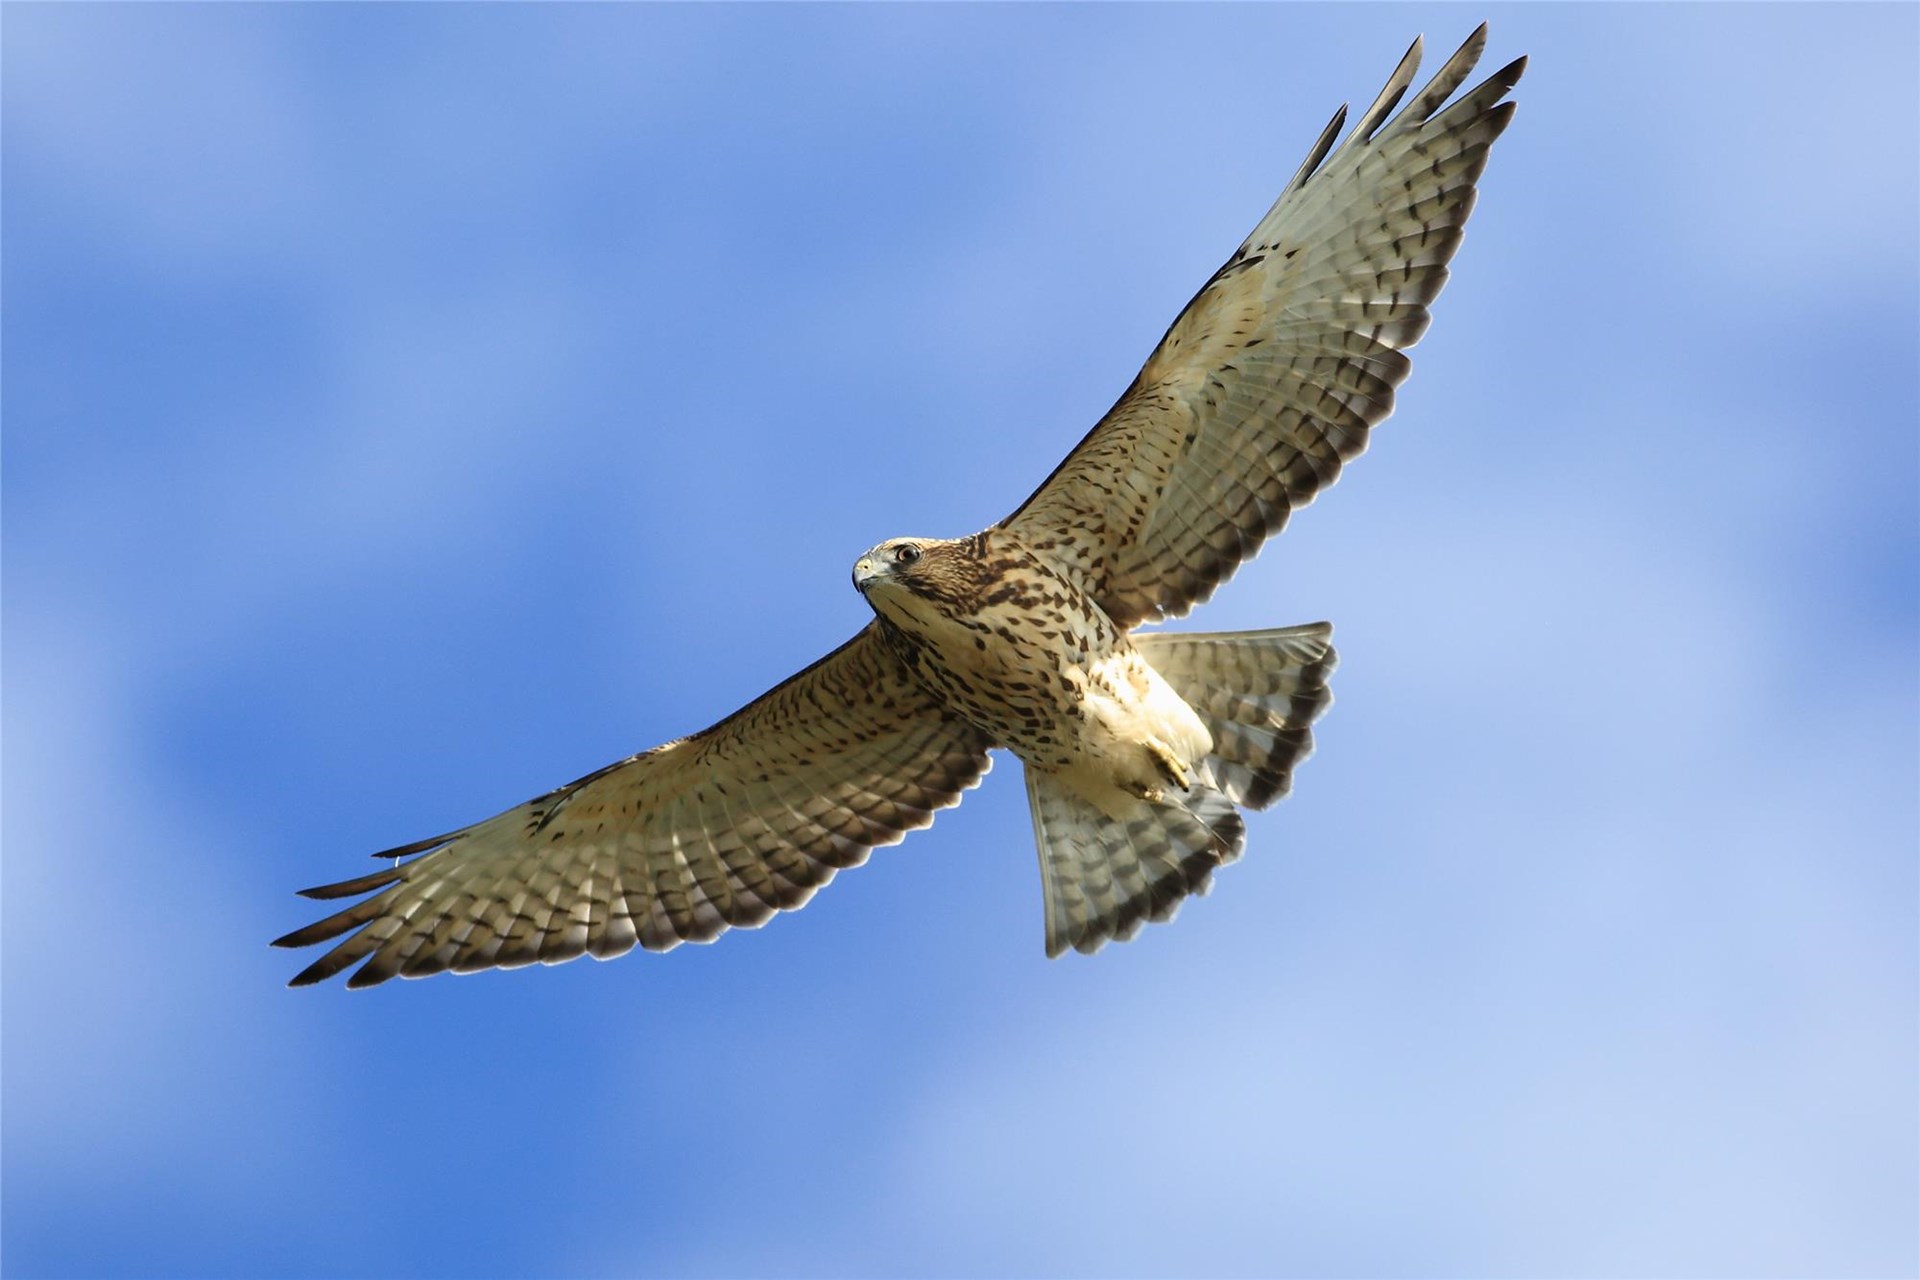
[1171, 766]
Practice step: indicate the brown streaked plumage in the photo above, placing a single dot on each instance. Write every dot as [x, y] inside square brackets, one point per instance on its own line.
[1140, 749]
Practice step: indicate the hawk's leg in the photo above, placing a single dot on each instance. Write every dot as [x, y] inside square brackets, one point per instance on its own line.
[1171, 767]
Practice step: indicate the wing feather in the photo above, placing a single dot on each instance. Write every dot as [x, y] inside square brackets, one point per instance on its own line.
[1271, 379]
[717, 831]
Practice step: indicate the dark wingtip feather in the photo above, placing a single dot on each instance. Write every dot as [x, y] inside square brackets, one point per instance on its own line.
[348, 888]
[1322, 145]
[1396, 88]
[338, 923]
[320, 930]
[322, 969]
[418, 846]
[1450, 77]
[368, 976]
[301, 937]
[1499, 84]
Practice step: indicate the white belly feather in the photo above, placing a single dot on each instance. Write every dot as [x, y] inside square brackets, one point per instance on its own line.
[1132, 716]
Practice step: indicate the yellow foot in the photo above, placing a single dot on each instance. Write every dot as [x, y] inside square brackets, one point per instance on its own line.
[1172, 766]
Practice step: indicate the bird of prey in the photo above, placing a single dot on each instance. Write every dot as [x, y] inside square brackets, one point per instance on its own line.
[1140, 748]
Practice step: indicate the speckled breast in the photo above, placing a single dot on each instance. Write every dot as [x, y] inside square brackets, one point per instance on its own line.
[1016, 657]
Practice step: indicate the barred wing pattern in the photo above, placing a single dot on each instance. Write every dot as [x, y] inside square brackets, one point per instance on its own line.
[1272, 377]
[676, 844]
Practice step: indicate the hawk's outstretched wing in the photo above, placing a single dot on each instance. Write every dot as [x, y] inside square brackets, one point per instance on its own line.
[1274, 373]
[675, 844]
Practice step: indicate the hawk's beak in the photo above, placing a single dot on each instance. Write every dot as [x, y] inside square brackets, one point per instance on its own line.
[865, 570]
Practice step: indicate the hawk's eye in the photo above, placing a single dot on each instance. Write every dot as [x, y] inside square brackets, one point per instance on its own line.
[906, 554]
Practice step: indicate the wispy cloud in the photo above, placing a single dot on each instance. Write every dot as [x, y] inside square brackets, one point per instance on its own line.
[408, 408]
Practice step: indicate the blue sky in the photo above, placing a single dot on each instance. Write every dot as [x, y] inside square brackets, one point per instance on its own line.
[409, 408]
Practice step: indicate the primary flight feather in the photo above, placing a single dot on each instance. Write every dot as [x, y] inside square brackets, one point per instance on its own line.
[1140, 749]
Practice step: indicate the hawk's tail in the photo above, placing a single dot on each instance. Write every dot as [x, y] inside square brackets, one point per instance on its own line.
[1258, 693]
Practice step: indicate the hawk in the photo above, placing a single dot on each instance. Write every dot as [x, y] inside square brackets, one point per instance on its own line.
[1140, 748]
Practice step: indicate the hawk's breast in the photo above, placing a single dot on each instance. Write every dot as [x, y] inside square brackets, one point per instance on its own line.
[1031, 660]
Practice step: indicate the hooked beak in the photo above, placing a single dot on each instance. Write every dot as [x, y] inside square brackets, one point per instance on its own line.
[865, 570]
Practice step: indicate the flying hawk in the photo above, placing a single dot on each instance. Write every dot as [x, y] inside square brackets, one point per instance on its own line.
[1140, 748]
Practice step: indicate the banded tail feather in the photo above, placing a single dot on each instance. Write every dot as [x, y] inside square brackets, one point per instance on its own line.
[1258, 693]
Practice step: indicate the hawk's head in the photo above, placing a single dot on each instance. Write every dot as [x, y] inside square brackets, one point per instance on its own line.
[901, 573]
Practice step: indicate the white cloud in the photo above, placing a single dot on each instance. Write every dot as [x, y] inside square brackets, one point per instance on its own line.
[1672, 1104]
[1677, 1036]
[1588, 942]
